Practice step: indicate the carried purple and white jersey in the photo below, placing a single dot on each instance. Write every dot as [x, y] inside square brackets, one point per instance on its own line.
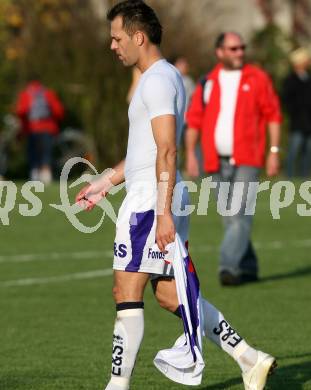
[183, 363]
[160, 91]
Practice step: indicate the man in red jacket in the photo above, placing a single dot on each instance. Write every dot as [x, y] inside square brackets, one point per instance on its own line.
[40, 111]
[230, 111]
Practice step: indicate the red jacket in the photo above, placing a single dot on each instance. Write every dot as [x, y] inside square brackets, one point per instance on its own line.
[23, 106]
[257, 105]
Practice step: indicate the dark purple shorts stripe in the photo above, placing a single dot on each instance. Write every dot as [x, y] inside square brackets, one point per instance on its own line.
[140, 228]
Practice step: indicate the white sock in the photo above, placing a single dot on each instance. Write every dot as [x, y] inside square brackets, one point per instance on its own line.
[127, 336]
[218, 330]
[34, 174]
[117, 384]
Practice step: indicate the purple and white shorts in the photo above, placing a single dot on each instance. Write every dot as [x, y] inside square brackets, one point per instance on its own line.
[135, 249]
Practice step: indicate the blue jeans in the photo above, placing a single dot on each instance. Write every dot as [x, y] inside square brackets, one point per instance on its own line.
[237, 254]
[299, 145]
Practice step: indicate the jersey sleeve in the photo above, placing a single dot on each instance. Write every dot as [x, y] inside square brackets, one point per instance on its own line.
[268, 100]
[23, 104]
[159, 95]
[55, 104]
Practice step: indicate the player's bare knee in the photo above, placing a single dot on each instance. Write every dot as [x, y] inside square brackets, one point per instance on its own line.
[120, 295]
[160, 299]
[125, 294]
[117, 294]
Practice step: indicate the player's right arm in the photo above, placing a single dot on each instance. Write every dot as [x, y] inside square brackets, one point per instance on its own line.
[159, 96]
[164, 132]
[92, 193]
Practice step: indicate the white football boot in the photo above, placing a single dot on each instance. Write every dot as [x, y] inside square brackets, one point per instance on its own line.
[256, 377]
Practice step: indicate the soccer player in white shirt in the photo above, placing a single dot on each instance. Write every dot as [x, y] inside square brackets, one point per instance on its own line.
[146, 224]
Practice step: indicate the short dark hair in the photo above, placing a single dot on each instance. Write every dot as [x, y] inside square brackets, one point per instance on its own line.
[219, 42]
[136, 14]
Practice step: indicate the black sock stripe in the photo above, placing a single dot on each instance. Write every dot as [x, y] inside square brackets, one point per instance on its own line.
[129, 305]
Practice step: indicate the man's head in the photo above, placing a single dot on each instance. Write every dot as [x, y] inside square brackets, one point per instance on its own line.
[300, 59]
[133, 25]
[182, 65]
[230, 50]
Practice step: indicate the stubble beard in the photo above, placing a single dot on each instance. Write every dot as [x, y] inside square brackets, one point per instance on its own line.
[231, 65]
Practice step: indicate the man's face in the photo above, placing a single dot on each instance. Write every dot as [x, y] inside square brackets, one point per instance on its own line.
[232, 53]
[303, 66]
[123, 45]
[183, 66]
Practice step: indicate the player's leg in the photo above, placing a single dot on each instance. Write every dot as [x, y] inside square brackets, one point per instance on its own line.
[217, 329]
[128, 331]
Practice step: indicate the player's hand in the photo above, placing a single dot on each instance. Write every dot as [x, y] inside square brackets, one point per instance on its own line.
[192, 165]
[165, 231]
[93, 193]
[88, 197]
[273, 164]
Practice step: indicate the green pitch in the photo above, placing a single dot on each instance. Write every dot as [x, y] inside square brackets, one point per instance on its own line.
[57, 313]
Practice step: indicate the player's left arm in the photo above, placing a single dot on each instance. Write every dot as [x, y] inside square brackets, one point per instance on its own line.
[164, 132]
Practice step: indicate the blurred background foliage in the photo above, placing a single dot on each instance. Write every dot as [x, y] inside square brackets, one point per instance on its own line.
[64, 42]
[67, 42]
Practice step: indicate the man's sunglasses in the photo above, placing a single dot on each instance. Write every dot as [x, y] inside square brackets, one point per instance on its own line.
[236, 48]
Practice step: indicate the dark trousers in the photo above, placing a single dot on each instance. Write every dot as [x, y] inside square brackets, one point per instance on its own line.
[40, 147]
[299, 148]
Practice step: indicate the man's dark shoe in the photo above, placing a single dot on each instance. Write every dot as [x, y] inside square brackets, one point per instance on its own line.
[227, 279]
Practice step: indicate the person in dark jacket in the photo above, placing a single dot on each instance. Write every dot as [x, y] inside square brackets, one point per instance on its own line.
[297, 101]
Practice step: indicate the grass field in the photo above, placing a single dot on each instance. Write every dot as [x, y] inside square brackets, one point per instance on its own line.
[57, 312]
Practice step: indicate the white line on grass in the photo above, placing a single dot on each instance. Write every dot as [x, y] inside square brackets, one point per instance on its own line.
[85, 255]
[274, 245]
[25, 258]
[57, 279]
